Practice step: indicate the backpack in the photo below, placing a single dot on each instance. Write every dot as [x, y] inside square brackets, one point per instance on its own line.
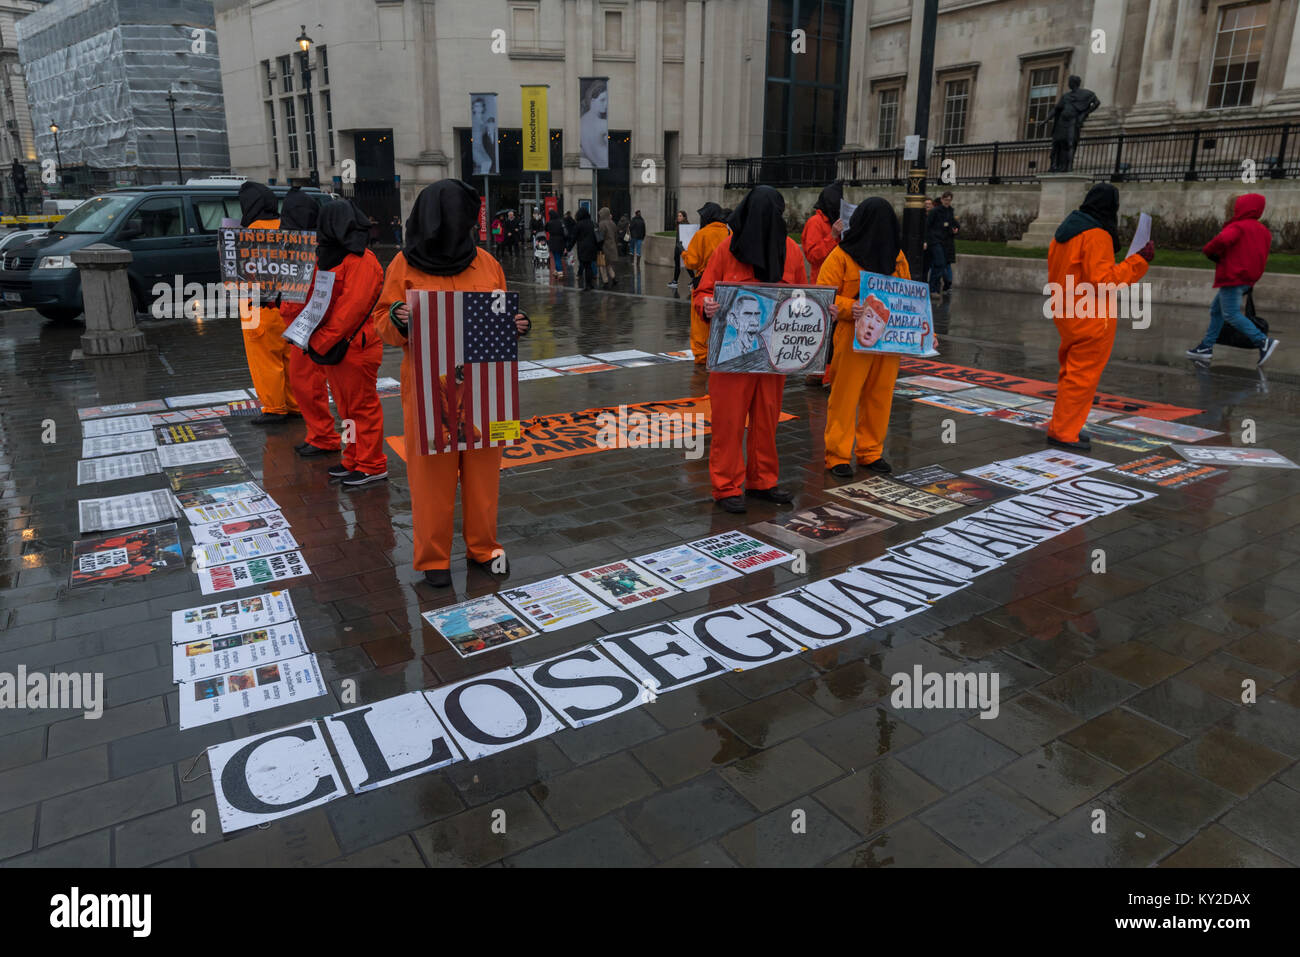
[1230, 336]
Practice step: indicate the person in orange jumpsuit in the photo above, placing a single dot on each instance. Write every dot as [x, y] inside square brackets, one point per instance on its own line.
[821, 234]
[713, 230]
[440, 254]
[1083, 252]
[344, 346]
[299, 210]
[267, 352]
[759, 251]
[862, 393]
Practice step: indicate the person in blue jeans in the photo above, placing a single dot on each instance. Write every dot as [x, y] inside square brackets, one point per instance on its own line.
[636, 232]
[940, 230]
[1240, 253]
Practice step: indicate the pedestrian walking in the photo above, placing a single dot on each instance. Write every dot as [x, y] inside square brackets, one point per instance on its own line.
[586, 248]
[677, 248]
[940, 236]
[712, 232]
[607, 232]
[636, 233]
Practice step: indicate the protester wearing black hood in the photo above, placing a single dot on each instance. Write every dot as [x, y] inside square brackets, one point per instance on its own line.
[441, 255]
[759, 250]
[585, 248]
[1082, 257]
[711, 234]
[344, 348]
[268, 353]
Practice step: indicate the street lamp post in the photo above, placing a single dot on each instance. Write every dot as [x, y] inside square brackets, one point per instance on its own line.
[304, 46]
[171, 104]
[58, 157]
[914, 205]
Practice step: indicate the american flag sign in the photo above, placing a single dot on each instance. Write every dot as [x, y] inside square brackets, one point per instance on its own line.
[465, 358]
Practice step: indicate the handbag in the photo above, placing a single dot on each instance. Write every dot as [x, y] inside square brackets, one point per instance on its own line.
[1229, 335]
[335, 354]
[600, 259]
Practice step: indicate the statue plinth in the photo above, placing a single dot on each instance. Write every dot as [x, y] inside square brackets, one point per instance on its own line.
[1058, 194]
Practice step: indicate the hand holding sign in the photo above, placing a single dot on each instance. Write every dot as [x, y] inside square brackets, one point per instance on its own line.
[893, 316]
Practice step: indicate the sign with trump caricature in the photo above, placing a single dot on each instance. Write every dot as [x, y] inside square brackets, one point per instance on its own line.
[897, 319]
[770, 327]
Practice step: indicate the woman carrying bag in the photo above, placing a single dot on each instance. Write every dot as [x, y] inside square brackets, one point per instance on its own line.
[608, 233]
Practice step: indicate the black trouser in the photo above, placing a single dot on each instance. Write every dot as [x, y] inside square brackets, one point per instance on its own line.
[677, 265]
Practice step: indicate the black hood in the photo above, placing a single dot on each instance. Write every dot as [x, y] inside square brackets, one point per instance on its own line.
[299, 210]
[829, 201]
[256, 201]
[1099, 210]
[439, 238]
[758, 234]
[341, 230]
[873, 239]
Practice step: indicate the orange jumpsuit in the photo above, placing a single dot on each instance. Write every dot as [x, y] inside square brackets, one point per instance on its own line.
[357, 283]
[267, 352]
[735, 396]
[695, 258]
[818, 243]
[433, 477]
[307, 381]
[1085, 341]
[863, 391]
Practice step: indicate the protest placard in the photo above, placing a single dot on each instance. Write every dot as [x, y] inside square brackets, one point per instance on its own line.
[769, 327]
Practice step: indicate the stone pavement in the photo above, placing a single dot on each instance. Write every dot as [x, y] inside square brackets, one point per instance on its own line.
[1121, 691]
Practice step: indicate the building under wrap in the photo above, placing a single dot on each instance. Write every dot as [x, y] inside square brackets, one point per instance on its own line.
[101, 71]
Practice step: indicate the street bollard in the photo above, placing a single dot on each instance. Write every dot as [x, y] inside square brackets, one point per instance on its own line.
[109, 308]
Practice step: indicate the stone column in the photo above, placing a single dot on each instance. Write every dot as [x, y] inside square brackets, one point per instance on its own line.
[857, 116]
[1058, 194]
[1100, 71]
[106, 294]
[647, 126]
[1157, 81]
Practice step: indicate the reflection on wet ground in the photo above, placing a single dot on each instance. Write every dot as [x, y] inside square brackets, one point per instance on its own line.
[1121, 691]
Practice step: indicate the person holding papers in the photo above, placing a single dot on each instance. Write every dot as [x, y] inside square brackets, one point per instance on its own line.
[267, 352]
[1082, 256]
[441, 255]
[300, 210]
[759, 251]
[344, 346]
[862, 392]
[713, 230]
[821, 234]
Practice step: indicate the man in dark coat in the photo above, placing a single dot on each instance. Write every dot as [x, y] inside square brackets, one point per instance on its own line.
[940, 243]
[1067, 120]
[586, 248]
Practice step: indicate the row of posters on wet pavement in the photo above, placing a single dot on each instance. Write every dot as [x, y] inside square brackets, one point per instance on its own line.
[241, 539]
[269, 775]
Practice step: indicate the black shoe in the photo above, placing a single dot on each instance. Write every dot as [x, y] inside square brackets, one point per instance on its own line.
[778, 495]
[269, 418]
[843, 470]
[1084, 436]
[487, 566]
[1081, 446]
[438, 577]
[733, 504]
[879, 465]
[309, 451]
[338, 471]
[357, 479]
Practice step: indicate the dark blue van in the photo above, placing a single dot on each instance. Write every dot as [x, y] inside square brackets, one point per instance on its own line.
[169, 230]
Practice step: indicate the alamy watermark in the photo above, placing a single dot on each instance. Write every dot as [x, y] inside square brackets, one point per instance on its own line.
[74, 691]
[204, 300]
[953, 690]
[653, 430]
[1093, 300]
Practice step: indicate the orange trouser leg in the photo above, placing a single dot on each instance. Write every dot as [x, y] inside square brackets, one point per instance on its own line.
[763, 468]
[1085, 349]
[433, 480]
[268, 364]
[730, 396]
[699, 337]
[353, 383]
[307, 380]
[862, 396]
[874, 405]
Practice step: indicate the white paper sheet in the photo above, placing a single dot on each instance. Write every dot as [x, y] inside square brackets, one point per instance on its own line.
[623, 585]
[526, 374]
[232, 615]
[121, 425]
[125, 511]
[195, 453]
[208, 398]
[742, 552]
[118, 444]
[1037, 469]
[479, 624]
[391, 740]
[213, 656]
[492, 712]
[1141, 236]
[247, 690]
[132, 465]
[218, 494]
[300, 330]
[238, 528]
[554, 603]
[662, 658]
[230, 511]
[583, 685]
[802, 617]
[257, 571]
[738, 638]
[687, 568]
[241, 549]
[283, 769]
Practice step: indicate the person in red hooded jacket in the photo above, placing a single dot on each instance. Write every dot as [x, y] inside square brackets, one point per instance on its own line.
[345, 347]
[1240, 253]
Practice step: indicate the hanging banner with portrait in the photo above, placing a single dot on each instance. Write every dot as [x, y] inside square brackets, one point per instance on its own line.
[484, 154]
[593, 122]
[771, 327]
[898, 318]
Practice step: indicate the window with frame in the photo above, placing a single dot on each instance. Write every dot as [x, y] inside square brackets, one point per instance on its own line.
[324, 60]
[291, 131]
[209, 211]
[1238, 45]
[956, 104]
[156, 219]
[1044, 87]
[329, 124]
[285, 66]
[309, 130]
[269, 76]
[613, 30]
[275, 136]
[804, 99]
[887, 118]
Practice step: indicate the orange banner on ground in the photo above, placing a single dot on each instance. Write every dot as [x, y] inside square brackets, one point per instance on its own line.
[636, 425]
[1044, 390]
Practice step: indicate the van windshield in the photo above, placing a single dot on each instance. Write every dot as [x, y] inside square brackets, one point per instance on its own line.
[96, 215]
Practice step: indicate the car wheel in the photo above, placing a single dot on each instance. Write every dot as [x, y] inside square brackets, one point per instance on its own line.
[58, 313]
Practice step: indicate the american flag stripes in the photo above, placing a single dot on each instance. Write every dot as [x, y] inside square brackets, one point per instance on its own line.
[464, 356]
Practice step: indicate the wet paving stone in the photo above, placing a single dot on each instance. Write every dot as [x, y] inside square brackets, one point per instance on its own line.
[602, 843]
[985, 819]
[1171, 800]
[1058, 777]
[1025, 722]
[780, 773]
[910, 844]
[704, 855]
[687, 752]
[871, 799]
[1124, 739]
[1268, 819]
[1216, 846]
[1233, 763]
[486, 833]
[578, 796]
[398, 852]
[956, 756]
[1076, 840]
[672, 821]
[774, 719]
[801, 834]
[1180, 705]
[855, 740]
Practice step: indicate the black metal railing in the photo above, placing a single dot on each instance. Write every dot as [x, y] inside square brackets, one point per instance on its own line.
[1267, 151]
